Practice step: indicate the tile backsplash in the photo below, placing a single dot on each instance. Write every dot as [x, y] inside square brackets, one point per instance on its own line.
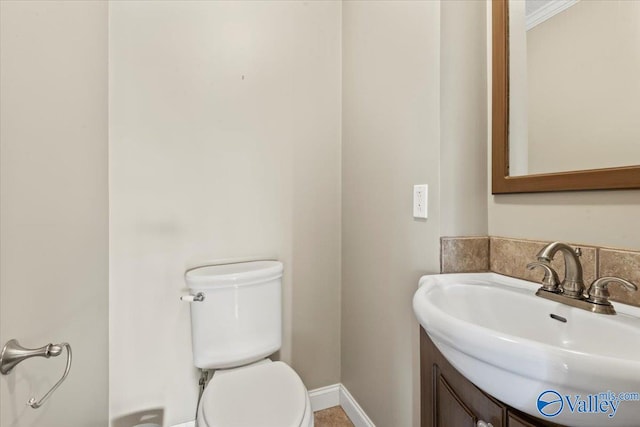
[464, 254]
[625, 264]
[510, 257]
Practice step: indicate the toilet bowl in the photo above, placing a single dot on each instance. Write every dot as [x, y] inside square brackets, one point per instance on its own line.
[265, 394]
[236, 323]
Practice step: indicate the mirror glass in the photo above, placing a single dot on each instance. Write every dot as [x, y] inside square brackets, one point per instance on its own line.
[574, 85]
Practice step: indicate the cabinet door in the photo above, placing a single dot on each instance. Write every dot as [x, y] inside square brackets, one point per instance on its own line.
[450, 410]
[516, 421]
[448, 398]
[519, 419]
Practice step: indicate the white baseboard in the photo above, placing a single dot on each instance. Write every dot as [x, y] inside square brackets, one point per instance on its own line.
[357, 415]
[328, 397]
[325, 397]
[337, 394]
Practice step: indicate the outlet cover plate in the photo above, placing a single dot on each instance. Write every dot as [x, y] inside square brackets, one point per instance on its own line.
[420, 200]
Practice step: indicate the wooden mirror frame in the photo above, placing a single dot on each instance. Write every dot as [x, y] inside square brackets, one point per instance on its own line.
[593, 179]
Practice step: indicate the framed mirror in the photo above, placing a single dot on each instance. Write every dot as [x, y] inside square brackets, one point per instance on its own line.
[568, 116]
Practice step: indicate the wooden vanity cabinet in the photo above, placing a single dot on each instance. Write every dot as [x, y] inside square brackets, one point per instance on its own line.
[448, 399]
[515, 421]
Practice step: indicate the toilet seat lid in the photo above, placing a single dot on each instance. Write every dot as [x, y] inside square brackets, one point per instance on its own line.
[266, 395]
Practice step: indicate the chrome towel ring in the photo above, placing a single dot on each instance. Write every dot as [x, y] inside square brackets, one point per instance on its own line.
[13, 353]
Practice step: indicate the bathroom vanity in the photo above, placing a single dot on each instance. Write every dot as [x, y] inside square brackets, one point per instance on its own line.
[495, 353]
[449, 399]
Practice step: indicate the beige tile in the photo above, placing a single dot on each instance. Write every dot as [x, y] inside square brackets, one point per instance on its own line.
[511, 256]
[332, 417]
[464, 254]
[625, 264]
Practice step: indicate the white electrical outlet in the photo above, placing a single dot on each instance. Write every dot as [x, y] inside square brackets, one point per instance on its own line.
[420, 200]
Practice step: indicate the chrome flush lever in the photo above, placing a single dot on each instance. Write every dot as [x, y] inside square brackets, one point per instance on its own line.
[199, 297]
[13, 353]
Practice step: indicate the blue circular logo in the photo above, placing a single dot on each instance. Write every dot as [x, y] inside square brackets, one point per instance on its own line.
[550, 403]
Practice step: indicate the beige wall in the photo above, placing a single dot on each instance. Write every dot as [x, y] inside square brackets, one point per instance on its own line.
[224, 143]
[414, 111]
[606, 218]
[583, 67]
[463, 128]
[53, 207]
[390, 142]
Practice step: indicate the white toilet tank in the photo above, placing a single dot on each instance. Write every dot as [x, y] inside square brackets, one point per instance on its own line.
[240, 319]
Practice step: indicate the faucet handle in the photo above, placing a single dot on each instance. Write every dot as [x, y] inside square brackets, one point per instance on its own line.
[599, 291]
[550, 281]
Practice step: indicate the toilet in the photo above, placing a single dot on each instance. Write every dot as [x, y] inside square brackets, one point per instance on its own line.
[236, 323]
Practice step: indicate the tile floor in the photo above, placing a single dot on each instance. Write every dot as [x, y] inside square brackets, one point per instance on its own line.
[332, 417]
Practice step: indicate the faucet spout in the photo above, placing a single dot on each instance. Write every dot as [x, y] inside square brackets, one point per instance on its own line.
[573, 283]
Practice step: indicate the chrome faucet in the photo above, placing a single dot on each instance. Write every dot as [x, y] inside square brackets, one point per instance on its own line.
[572, 290]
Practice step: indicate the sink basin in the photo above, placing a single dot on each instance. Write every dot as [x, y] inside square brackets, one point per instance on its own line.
[503, 338]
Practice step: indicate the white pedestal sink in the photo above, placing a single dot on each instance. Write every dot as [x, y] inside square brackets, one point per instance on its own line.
[504, 339]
